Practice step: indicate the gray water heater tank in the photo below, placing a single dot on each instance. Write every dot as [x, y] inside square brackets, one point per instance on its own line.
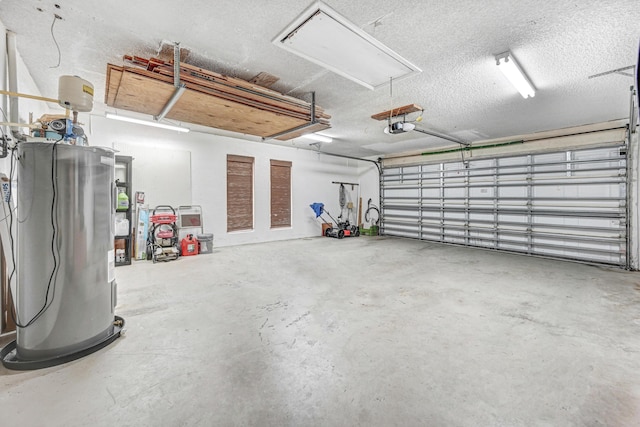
[65, 257]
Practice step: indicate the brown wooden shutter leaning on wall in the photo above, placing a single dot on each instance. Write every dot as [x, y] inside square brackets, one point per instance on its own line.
[280, 194]
[239, 193]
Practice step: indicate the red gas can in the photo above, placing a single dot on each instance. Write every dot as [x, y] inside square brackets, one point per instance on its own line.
[189, 245]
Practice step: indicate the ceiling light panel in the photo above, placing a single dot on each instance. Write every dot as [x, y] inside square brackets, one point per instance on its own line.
[317, 137]
[146, 122]
[323, 36]
[512, 71]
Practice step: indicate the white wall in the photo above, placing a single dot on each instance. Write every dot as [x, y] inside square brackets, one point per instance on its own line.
[312, 174]
[25, 85]
[165, 175]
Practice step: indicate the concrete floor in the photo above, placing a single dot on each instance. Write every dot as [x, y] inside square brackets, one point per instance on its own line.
[357, 332]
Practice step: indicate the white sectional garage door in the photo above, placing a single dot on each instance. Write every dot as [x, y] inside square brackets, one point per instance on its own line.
[565, 204]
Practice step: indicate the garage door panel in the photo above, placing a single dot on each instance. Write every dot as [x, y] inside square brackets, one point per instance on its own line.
[450, 193]
[566, 204]
[512, 191]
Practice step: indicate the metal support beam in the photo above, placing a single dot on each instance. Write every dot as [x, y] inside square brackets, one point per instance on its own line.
[631, 202]
[439, 135]
[633, 117]
[467, 215]
[176, 64]
[177, 93]
[616, 71]
[312, 122]
[275, 135]
[420, 201]
[179, 87]
[440, 188]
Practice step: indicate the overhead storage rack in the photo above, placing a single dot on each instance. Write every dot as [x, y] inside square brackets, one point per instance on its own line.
[210, 99]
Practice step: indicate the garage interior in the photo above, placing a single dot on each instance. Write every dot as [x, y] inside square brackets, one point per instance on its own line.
[495, 278]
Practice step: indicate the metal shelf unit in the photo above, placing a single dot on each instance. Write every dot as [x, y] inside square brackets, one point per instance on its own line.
[124, 180]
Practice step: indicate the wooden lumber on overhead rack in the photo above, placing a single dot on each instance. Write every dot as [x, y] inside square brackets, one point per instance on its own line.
[264, 79]
[146, 95]
[231, 82]
[217, 90]
[400, 111]
[210, 99]
[152, 63]
[113, 83]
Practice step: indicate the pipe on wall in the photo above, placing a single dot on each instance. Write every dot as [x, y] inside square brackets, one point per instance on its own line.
[12, 68]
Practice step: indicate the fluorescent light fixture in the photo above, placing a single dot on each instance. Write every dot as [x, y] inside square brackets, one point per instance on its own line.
[317, 137]
[510, 68]
[323, 36]
[145, 122]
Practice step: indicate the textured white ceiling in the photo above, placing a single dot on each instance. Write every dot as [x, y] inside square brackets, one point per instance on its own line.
[559, 44]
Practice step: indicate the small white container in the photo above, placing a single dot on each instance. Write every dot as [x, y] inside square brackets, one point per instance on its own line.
[122, 227]
[75, 93]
